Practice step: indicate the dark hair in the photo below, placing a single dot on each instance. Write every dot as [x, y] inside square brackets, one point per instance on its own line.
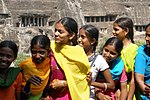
[117, 43]
[148, 25]
[126, 23]
[42, 40]
[10, 44]
[71, 26]
[92, 32]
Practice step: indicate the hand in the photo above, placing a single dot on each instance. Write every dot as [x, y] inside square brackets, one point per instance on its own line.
[56, 83]
[101, 96]
[89, 78]
[147, 90]
[35, 80]
[117, 95]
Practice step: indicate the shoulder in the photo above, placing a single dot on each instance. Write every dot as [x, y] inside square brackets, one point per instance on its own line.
[101, 63]
[25, 61]
[141, 48]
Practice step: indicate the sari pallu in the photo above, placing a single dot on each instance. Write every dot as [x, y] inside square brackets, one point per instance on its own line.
[42, 70]
[74, 62]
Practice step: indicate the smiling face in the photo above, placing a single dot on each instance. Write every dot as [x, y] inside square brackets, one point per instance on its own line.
[85, 41]
[6, 57]
[62, 36]
[39, 54]
[147, 36]
[119, 32]
[109, 53]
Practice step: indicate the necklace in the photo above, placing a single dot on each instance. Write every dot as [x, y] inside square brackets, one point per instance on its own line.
[91, 57]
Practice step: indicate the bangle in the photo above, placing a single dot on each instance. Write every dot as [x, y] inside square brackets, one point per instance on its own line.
[105, 85]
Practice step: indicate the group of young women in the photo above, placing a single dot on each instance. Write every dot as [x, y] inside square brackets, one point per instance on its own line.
[69, 68]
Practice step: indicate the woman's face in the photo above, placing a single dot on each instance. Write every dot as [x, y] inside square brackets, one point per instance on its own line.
[118, 32]
[109, 53]
[62, 36]
[147, 36]
[6, 57]
[84, 41]
[39, 54]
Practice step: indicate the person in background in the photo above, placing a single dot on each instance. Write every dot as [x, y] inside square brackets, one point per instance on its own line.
[36, 69]
[88, 39]
[142, 66]
[69, 64]
[10, 77]
[123, 29]
[111, 52]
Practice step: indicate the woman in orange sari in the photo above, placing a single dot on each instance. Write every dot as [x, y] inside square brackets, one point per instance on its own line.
[36, 69]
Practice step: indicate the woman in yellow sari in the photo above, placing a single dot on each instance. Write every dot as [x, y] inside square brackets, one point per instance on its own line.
[36, 69]
[69, 64]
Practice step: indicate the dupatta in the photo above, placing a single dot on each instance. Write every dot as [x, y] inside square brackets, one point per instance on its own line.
[74, 63]
[42, 70]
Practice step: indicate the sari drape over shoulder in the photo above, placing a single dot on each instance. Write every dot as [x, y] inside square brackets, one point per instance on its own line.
[74, 63]
[42, 70]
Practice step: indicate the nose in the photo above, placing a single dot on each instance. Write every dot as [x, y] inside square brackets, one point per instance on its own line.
[108, 54]
[57, 33]
[4, 58]
[146, 37]
[114, 33]
[79, 39]
[37, 55]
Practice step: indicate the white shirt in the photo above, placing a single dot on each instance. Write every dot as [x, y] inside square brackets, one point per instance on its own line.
[99, 64]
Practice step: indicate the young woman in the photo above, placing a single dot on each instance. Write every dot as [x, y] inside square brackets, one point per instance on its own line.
[88, 39]
[69, 64]
[36, 69]
[111, 52]
[123, 29]
[10, 77]
[142, 64]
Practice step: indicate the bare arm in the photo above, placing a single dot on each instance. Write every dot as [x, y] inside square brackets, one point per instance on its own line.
[123, 94]
[145, 88]
[131, 87]
[109, 81]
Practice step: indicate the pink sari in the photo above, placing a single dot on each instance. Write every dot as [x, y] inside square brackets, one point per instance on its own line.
[58, 73]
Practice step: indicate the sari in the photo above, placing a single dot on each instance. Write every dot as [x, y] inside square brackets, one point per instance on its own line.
[42, 70]
[74, 62]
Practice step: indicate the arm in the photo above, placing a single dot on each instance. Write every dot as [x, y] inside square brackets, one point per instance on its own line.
[131, 87]
[123, 94]
[56, 84]
[35, 80]
[140, 81]
[109, 81]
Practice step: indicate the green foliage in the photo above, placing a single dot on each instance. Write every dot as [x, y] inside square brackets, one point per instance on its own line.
[20, 58]
[139, 42]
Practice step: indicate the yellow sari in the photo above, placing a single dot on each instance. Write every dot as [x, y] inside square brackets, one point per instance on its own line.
[42, 70]
[74, 63]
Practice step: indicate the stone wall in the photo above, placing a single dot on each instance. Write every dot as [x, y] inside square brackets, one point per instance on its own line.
[138, 10]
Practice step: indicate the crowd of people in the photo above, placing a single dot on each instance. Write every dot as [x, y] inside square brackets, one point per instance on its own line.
[70, 68]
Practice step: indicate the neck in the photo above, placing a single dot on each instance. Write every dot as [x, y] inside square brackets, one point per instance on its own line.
[126, 42]
[3, 73]
[89, 54]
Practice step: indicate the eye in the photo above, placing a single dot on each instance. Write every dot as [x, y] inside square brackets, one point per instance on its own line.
[9, 56]
[42, 52]
[1, 55]
[116, 29]
[33, 52]
[106, 50]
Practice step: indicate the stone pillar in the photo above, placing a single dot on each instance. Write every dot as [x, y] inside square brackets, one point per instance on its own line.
[37, 21]
[25, 21]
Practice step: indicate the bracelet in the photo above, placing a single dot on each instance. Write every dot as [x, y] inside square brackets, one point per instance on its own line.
[105, 85]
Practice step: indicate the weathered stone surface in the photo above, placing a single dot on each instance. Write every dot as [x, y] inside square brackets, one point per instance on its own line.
[11, 12]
